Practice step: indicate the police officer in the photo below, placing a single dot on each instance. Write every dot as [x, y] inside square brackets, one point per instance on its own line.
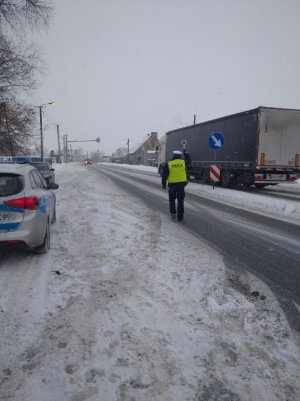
[176, 174]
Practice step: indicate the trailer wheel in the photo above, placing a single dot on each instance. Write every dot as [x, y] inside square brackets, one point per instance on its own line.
[226, 179]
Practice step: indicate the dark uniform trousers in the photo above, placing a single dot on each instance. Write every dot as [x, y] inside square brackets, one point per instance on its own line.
[176, 191]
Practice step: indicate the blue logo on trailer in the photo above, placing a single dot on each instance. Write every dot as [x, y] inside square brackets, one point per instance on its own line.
[216, 140]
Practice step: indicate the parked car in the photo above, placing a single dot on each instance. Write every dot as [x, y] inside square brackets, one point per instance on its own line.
[27, 208]
[46, 171]
[88, 161]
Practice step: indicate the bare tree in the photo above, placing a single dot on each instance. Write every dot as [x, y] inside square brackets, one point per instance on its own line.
[16, 125]
[19, 64]
[120, 152]
[17, 14]
[78, 154]
[97, 156]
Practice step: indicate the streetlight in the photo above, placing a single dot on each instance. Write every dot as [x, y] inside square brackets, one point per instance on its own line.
[41, 126]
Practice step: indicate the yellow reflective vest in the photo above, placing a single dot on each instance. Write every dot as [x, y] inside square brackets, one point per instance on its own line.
[177, 171]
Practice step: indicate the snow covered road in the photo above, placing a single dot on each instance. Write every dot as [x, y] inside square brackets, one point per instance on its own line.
[129, 306]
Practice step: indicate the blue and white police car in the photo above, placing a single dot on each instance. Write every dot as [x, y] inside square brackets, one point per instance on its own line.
[27, 207]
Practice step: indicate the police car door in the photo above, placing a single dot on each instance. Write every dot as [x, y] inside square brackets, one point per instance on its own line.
[46, 197]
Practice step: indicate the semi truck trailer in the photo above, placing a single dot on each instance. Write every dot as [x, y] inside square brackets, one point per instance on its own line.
[260, 147]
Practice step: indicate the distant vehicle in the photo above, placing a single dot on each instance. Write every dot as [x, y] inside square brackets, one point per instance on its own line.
[88, 161]
[27, 208]
[46, 171]
[261, 147]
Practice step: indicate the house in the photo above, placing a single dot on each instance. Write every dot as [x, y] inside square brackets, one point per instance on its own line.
[146, 152]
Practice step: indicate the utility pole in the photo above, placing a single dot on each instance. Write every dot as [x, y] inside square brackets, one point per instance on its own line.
[194, 119]
[41, 126]
[65, 142]
[128, 151]
[41, 133]
[58, 141]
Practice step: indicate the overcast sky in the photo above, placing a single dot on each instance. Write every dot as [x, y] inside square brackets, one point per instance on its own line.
[122, 69]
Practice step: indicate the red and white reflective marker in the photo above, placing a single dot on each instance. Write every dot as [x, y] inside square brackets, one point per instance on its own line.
[214, 173]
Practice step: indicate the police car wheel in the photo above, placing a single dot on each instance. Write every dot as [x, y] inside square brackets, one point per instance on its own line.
[44, 248]
[54, 216]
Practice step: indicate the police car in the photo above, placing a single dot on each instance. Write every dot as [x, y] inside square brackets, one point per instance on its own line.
[27, 207]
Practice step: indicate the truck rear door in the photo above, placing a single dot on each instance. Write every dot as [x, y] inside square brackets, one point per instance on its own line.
[279, 138]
